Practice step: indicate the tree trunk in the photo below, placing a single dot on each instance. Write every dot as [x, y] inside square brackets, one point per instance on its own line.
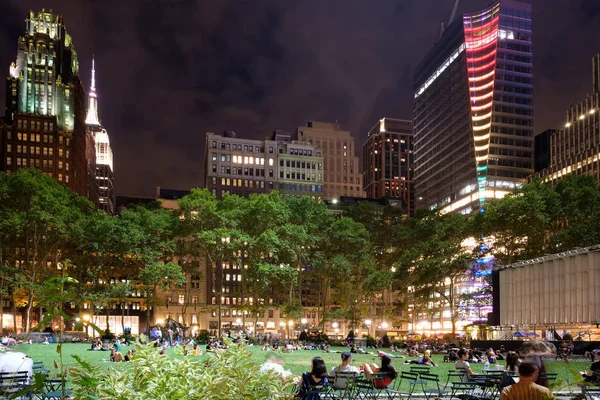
[107, 315]
[219, 293]
[452, 312]
[14, 310]
[123, 317]
[148, 323]
[28, 311]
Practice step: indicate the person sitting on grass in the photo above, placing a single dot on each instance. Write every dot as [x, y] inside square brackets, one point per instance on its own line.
[386, 369]
[491, 357]
[317, 376]
[115, 356]
[426, 360]
[276, 365]
[129, 355]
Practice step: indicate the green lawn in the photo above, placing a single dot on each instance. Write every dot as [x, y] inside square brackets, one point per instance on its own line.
[297, 362]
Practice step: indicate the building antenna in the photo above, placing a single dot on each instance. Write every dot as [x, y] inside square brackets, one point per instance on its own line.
[450, 19]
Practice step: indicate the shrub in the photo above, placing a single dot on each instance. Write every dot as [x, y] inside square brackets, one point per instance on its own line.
[203, 336]
[385, 341]
[108, 335]
[225, 376]
[371, 342]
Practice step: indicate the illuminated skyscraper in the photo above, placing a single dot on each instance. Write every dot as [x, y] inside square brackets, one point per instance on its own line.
[104, 177]
[575, 149]
[473, 110]
[44, 123]
[388, 162]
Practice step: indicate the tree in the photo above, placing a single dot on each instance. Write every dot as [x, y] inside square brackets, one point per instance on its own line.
[434, 260]
[36, 219]
[159, 276]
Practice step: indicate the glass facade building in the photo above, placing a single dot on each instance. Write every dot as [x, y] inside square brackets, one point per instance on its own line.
[473, 110]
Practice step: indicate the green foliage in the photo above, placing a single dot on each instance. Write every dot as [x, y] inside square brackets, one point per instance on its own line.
[203, 335]
[385, 341]
[228, 375]
[371, 342]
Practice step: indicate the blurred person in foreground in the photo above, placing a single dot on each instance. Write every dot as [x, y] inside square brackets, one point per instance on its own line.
[526, 388]
[535, 351]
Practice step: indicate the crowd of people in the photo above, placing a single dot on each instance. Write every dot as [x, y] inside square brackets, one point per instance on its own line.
[524, 370]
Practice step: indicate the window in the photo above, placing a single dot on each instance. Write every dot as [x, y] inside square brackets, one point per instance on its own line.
[270, 149]
[181, 299]
[214, 144]
[214, 156]
[8, 148]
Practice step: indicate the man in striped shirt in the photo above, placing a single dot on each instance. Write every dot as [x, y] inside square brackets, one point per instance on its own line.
[526, 388]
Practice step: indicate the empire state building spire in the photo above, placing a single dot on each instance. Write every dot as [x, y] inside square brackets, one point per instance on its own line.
[92, 111]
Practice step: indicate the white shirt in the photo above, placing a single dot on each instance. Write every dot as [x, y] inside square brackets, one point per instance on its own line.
[342, 382]
[460, 364]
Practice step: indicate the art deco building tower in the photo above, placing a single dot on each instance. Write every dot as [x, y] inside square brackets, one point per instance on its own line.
[104, 177]
[473, 110]
[44, 123]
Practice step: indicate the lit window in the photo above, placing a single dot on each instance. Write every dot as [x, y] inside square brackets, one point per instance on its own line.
[181, 299]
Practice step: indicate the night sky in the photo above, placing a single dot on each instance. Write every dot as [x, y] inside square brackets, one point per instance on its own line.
[170, 70]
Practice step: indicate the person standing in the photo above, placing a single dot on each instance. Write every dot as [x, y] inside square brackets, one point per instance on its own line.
[526, 388]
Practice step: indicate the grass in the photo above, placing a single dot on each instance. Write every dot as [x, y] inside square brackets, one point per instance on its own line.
[297, 362]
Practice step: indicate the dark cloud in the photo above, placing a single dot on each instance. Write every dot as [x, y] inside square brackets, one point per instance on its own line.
[168, 71]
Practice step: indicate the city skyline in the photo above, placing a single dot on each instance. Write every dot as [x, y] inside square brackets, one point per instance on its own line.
[347, 64]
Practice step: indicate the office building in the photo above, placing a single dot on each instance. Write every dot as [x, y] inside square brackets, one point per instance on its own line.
[542, 150]
[575, 149]
[473, 110]
[388, 162]
[341, 170]
[103, 168]
[245, 166]
[44, 123]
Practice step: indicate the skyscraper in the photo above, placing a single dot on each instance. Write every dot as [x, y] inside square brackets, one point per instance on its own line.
[388, 162]
[473, 110]
[341, 171]
[575, 149]
[44, 123]
[103, 168]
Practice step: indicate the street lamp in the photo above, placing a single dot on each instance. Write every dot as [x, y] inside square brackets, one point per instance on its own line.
[304, 321]
[368, 324]
[384, 325]
[335, 325]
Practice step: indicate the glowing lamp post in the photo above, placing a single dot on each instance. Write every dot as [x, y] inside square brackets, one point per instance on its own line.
[368, 324]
